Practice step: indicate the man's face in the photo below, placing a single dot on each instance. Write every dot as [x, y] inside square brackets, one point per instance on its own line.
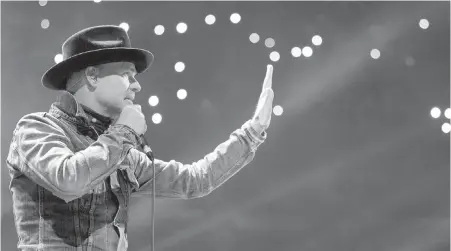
[116, 86]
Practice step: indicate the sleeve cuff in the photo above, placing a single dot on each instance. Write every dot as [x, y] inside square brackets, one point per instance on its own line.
[255, 138]
[128, 133]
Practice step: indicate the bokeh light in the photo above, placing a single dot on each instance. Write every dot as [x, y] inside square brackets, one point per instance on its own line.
[210, 19]
[274, 56]
[424, 24]
[296, 52]
[159, 30]
[307, 51]
[435, 112]
[181, 27]
[179, 66]
[277, 110]
[317, 40]
[45, 23]
[181, 94]
[446, 127]
[375, 53]
[254, 38]
[43, 2]
[269, 42]
[448, 113]
[153, 101]
[235, 18]
[157, 118]
[124, 26]
[97, 1]
[58, 58]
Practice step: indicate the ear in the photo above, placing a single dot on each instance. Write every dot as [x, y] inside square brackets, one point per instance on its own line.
[91, 74]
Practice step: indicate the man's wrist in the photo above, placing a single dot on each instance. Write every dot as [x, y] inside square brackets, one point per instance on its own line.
[259, 129]
[255, 138]
[128, 132]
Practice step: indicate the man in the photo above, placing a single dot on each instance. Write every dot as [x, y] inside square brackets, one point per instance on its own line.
[74, 168]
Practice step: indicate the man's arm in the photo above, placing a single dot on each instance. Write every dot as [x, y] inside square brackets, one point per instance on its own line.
[41, 151]
[177, 180]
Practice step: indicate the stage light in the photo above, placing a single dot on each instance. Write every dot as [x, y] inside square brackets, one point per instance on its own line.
[435, 112]
[269, 42]
[296, 52]
[159, 30]
[235, 18]
[448, 113]
[274, 56]
[446, 127]
[45, 23]
[181, 27]
[58, 58]
[181, 94]
[156, 118]
[410, 61]
[210, 19]
[124, 26]
[179, 66]
[307, 51]
[43, 2]
[317, 40]
[277, 110]
[375, 53]
[153, 101]
[254, 38]
[424, 24]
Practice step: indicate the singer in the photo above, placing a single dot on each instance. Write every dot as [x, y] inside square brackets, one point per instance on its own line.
[74, 168]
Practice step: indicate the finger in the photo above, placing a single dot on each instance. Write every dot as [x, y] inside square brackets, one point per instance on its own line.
[265, 98]
[269, 97]
[267, 83]
[270, 94]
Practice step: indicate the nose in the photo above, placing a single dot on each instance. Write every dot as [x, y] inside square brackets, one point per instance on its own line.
[135, 86]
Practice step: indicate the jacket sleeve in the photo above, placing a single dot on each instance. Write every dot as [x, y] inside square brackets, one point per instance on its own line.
[42, 152]
[177, 180]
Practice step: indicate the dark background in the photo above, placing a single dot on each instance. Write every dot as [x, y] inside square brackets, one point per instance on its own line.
[355, 162]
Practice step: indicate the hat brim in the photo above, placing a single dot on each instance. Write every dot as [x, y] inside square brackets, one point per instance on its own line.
[55, 77]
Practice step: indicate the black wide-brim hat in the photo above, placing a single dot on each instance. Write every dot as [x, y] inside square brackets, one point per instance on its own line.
[93, 46]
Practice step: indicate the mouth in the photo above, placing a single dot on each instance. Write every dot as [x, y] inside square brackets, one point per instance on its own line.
[129, 100]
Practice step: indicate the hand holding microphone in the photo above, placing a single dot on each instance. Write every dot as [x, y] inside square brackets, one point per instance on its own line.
[133, 117]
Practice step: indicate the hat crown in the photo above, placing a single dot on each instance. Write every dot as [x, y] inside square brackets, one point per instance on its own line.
[94, 46]
[95, 38]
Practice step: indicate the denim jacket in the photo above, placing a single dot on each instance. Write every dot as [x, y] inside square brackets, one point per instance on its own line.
[71, 187]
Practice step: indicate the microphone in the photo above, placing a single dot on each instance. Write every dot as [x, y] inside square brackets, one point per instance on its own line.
[149, 154]
[146, 148]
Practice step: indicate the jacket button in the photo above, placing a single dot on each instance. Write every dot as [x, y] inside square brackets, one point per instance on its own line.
[90, 133]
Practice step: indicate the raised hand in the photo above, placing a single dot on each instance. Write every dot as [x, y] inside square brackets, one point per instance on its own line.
[262, 116]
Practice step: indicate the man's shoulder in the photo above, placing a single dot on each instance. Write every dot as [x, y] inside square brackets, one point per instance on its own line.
[34, 118]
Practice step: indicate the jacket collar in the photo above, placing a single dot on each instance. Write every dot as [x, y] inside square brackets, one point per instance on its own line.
[67, 106]
[67, 103]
